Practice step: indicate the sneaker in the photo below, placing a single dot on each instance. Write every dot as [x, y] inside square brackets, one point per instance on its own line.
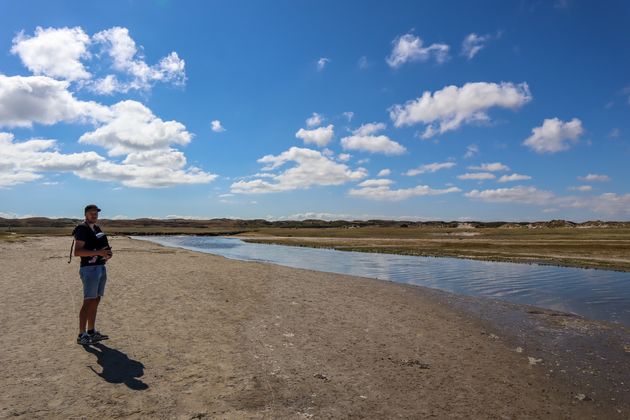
[97, 336]
[84, 339]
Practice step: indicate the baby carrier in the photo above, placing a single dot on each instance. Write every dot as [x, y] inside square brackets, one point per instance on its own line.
[101, 240]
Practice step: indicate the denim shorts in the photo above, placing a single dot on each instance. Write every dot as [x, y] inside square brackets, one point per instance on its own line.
[94, 278]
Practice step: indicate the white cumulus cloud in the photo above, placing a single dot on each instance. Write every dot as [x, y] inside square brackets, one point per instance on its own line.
[24, 161]
[610, 203]
[25, 100]
[54, 52]
[310, 168]
[365, 139]
[513, 177]
[144, 176]
[344, 157]
[554, 135]
[62, 53]
[216, 126]
[133, 127]
[605, 203]
[319, 136]
[314, 120]
[380, 189]
[126, 59]
[447, 109]
[518, 194]
[127, 128]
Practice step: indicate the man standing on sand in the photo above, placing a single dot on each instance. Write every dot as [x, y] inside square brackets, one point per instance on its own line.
[93, 248]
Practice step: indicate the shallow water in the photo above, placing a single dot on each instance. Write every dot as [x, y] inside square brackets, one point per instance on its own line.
[595, 294]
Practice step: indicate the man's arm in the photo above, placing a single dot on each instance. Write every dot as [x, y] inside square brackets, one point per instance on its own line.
[79, 251]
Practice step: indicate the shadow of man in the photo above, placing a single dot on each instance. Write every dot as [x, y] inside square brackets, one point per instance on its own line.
[117, 367]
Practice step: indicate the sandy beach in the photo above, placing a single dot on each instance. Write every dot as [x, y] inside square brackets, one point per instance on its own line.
[200, 336]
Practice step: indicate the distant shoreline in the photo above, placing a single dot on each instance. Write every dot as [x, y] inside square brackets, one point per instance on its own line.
[249, 224]
[594, 244]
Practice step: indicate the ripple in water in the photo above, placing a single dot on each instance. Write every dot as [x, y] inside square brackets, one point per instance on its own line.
[594, 294]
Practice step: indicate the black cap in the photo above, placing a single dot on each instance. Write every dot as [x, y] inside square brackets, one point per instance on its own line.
[90, 207]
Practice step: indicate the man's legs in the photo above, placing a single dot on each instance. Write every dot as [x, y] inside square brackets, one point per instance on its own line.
[94, 279]
[91, 320]
[87, 315]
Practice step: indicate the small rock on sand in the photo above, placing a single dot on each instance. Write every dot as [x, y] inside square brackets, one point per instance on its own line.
[533, 360]
[583, 397]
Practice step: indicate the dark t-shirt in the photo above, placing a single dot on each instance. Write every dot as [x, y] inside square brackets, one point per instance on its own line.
[94, 239]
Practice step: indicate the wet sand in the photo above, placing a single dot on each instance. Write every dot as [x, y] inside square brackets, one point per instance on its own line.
[200, 336]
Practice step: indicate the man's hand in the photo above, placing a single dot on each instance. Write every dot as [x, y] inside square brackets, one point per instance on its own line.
[107, 253]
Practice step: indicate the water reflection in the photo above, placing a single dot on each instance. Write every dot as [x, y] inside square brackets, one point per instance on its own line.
[596, 294]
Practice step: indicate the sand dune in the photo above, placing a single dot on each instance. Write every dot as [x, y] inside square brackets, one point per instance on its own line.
[200, 336]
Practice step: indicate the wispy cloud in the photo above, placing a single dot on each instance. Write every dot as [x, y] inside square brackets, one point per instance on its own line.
[471, 150]
[322, 63]
[594, 178]
[408, 48]
[492, 167]
[476, 176]
[429, 168]
[380, 189]
[363, 63]
[473, 43]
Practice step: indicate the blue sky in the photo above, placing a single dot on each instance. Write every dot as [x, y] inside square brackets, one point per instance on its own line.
[360, 109]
